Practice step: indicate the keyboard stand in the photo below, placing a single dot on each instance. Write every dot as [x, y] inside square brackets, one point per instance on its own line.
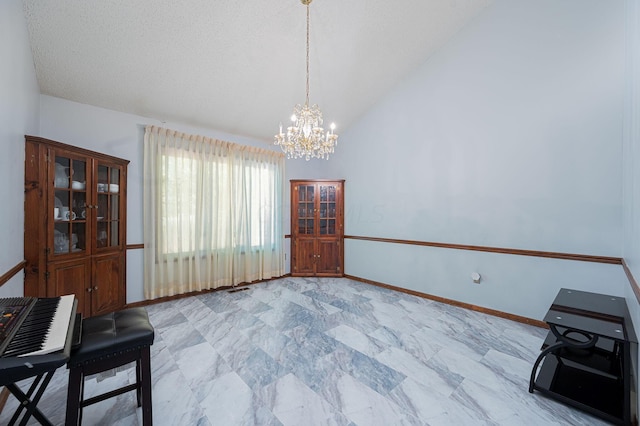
[42, 367]
[27, 402]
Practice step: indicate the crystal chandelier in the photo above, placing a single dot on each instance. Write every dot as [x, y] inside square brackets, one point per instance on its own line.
[306, 137]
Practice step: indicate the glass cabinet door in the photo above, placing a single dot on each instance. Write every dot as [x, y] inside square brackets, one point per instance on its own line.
[69, 212]
[306, 209]
[108, 206]
[328, 209]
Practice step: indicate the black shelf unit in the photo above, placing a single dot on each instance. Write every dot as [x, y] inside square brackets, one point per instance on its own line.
[588, 358]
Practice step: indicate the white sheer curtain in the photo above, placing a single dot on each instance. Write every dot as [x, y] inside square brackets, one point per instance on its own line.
[212, 213]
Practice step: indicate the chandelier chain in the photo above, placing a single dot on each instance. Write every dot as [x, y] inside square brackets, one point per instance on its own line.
[306, 138]
[307, 99]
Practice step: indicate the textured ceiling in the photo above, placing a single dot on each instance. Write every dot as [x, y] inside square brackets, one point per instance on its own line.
[235, 66]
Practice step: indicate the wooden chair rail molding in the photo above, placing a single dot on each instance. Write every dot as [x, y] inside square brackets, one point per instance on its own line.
[520, 252]
[11, 272]
[632, 280]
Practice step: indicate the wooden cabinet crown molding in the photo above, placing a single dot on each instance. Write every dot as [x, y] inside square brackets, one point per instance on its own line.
[78, 150]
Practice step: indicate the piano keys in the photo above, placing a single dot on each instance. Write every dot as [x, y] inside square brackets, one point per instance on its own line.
[35, 340]
[35, 327]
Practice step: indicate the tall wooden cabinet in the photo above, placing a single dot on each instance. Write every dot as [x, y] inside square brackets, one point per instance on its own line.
[75, 225]
[317, 228]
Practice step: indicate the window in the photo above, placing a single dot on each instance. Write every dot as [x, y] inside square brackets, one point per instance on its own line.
[214, 210]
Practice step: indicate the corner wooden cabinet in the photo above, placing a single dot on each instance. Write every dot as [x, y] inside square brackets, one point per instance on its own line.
[317, 228]
[75, 225]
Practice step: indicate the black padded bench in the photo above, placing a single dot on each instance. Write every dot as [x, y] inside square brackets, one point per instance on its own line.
[110, 341]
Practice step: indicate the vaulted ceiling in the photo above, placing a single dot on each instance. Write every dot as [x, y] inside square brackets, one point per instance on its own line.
[235, 66]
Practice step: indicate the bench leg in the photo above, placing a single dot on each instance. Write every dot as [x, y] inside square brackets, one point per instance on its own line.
[139, 381]
[145, 363]
[74, 405]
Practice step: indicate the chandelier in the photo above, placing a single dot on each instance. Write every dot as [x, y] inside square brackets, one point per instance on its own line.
[306, 137]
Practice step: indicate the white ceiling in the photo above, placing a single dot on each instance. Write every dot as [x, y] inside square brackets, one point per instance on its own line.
[235, 66]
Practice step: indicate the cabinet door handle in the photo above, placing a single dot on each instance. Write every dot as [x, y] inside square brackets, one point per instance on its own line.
[95, 288]
[89, 290]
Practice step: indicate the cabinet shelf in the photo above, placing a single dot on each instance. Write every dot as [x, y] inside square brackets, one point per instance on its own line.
[589, 390]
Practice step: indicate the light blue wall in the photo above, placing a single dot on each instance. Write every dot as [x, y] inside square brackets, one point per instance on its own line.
[631, 157]
[510, 136]
[631, 149]
[19, 95]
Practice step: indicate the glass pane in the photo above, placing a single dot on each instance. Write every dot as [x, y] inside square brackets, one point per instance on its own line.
[114, 180]
[114, 207]
[61, 243]
[78, 237]
[332, 193]
[114, 235]
[101, 236]
[103, 206]
[323, 193]
[78, 194]
[309, 226]
[328, 227]
[61, 204]
[79, 204]
[309, 210]
[82, 213]
[305, 193]
[61, 172]
[332, 210]
[77, 174]
[103, 176]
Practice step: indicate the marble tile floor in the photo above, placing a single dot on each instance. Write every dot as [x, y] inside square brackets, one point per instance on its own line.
[297, 351]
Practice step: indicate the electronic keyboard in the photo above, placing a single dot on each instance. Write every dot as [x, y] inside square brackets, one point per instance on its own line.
[36, 335]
